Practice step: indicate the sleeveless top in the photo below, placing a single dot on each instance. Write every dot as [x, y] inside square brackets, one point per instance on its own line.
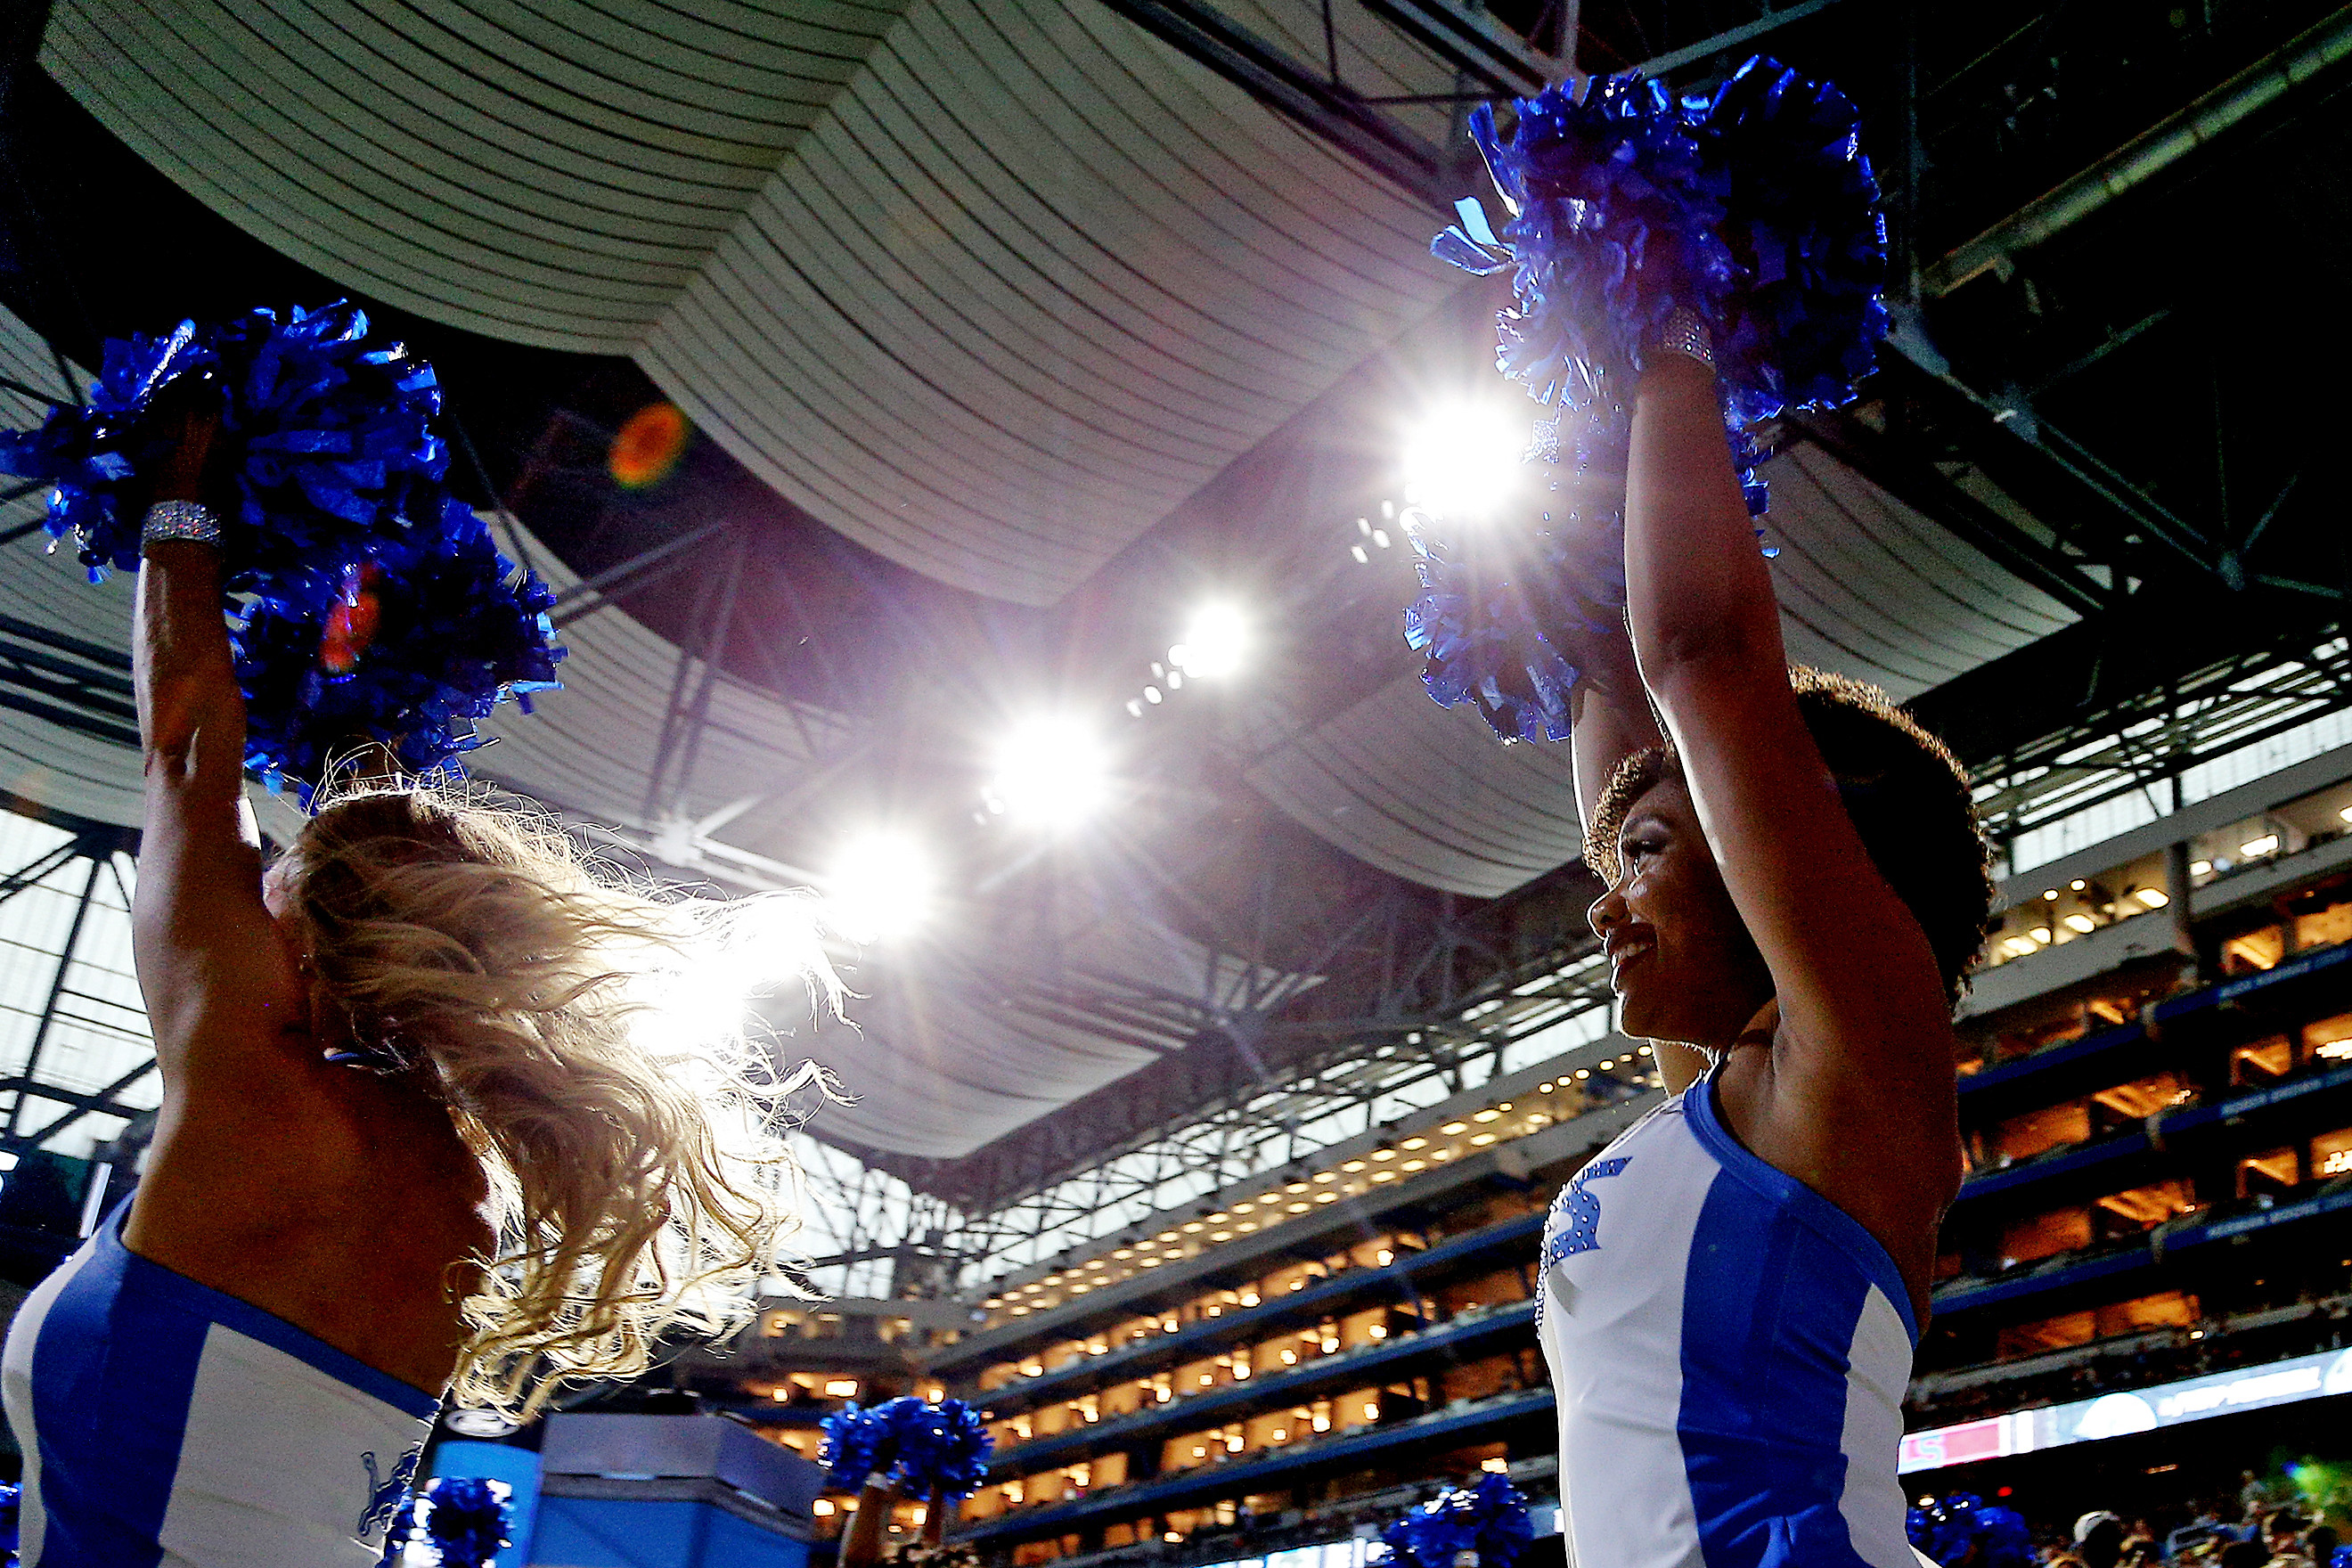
[163, 1423]
[1729, 1352]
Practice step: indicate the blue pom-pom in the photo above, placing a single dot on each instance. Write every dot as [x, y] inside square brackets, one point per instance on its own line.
[465, 1520]
[944, 1451]
[1755, 209]
[926, 1450]
[1490, 1518]
[1963, 1528]
[858, 1443]
[1504, 601]
[1614, 224]
[364, 602]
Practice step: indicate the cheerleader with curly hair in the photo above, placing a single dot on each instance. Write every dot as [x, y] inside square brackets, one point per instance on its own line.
[1732, 1291]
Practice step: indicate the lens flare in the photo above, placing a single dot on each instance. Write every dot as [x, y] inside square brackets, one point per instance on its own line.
[351, 623]
[1214, 644]
[648, 447]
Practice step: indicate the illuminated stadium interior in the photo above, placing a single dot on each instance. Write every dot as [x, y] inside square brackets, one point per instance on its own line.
[969, 442]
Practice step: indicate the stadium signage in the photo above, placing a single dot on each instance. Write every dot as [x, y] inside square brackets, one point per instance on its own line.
[2120, 1414]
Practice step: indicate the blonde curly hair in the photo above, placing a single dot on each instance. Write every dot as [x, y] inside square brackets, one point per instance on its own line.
[629, 1125]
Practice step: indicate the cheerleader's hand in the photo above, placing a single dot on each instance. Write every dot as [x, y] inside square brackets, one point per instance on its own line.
[183, 425]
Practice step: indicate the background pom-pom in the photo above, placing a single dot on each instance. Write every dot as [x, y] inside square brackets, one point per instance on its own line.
[925, 1449]
[1490, 1518]
[464, 1519]
[365, 605]
[943, 1449]
[858, 1443]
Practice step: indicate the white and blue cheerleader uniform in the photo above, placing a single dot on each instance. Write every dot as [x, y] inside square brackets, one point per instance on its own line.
[1729, 1352]
[165, 1424]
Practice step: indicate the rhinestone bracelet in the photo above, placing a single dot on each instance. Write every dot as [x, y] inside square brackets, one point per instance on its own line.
[1685, 333]
[189, 520]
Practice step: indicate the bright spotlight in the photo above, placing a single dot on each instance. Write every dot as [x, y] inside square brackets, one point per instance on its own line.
[880, 888]
[1052, 771]
[1213, 644]
[1465, 459]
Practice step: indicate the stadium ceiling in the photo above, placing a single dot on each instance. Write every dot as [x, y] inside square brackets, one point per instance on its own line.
[1012, 330]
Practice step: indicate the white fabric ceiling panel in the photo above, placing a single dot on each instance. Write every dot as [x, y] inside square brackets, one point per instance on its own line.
[1033, 282]
[1873, 589]
[1428, 793]
[1868, 587]
[45, 764]
[551, 173]
[991, 286]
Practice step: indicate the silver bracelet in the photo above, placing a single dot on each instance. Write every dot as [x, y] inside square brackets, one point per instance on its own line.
[1685, 333]
[189, 520]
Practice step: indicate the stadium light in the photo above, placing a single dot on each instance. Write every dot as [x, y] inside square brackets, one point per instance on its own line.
[1465, 459]
[1053, 771]
[880, 888]
[1214, 644]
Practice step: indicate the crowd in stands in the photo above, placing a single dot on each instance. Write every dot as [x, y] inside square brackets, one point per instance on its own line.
[2136, 1360]
[2271, 1523]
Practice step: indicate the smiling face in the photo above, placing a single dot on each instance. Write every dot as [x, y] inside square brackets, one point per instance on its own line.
[1680, 961]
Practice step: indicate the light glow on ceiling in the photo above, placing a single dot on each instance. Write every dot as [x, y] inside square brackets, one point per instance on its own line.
[1465, 460]
[1214, 644]
[880, 886]
[1051, 771]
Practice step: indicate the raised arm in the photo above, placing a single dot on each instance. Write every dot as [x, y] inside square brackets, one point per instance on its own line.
[1859, 1102]
[1611, 714]
[219, 983]
[1612, 720]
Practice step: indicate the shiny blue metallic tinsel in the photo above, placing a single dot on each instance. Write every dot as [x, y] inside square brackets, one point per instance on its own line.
[334, 478]
[1753, 207]
[465, 1520]
[924, 1449]
[1802, 222]
[1490, 1518]
[1504, 602]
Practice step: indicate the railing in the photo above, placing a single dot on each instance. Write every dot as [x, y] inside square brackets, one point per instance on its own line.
[1237, 1476]
[2130, 1361]
[1286, 1386]
[1194, 1339]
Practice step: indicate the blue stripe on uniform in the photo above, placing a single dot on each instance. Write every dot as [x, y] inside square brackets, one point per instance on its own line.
[127, 1334]
[1833, 1225]
[1771, 1298]
[106, 1348]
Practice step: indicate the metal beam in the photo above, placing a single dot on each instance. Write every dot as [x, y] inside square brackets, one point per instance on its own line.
[1918, 485]
[587, 596]
[1473, 43]
[2308, 60]
[2057, 479]
[1321, 107]
[1733, 37]
[56, 990]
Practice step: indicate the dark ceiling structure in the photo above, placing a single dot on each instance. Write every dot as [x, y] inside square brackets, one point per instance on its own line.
[1009, 332]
